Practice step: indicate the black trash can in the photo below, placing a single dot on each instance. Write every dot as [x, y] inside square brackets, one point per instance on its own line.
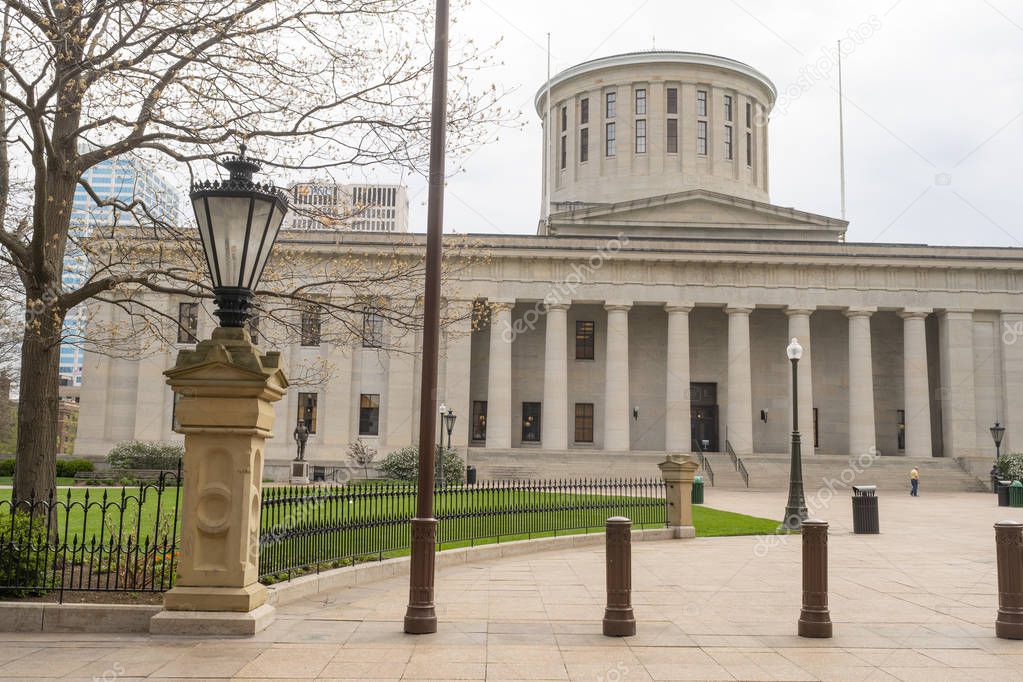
[470, 475]
[697, 495]
[1003, 493]
[864, 505]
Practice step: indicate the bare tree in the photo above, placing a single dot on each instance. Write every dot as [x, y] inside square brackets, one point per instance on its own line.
[362, 455]
[309, 85]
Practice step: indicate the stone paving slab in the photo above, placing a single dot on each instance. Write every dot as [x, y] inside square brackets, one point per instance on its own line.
[914, 603]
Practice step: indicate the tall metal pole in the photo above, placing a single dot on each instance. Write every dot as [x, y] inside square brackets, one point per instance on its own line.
[421, 617]
[795, 509]
[841, 131]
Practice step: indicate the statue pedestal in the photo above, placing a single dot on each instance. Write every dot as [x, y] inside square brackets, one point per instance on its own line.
[299, 472]
[227, 390]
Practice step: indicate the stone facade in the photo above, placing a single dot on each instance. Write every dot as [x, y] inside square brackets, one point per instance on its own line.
[640, 322]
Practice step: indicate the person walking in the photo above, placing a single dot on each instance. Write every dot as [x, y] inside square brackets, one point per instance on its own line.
[914, 481]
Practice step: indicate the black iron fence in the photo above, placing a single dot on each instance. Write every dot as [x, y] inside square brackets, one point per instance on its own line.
[92, 539]
[307, 529]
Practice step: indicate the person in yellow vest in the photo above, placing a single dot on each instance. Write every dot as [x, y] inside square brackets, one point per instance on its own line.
[914, 481]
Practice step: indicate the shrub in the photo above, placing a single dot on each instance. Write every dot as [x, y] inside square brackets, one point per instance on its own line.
[1010, 467]
[403, 464]
[7, 467]
[23, 554]
[362, 455]
[67, 468]
[134, 454]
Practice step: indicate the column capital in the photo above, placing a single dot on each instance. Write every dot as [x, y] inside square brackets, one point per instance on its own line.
[860, 311]
[617, 307]
[550, 307]
[956, 312]
[679, 307]
[914, 313]
[500, 304]
[800, 310]
[738, 309]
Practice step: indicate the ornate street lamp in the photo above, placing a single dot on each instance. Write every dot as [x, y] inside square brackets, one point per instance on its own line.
[238, 223]
[997, 432]
[795, 509]
[449, 424]
[439, 462]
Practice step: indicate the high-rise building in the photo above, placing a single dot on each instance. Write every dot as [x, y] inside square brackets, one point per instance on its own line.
[122, 178]
[364, 208]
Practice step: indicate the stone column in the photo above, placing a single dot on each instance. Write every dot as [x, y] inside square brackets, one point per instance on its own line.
[457, 363]
[958, 393]
[915, 389]
[861, 382]
[677, 427]
[555, 381]
[226, 414]
[1011, 337]
[739, 418]
[678, 472]
[799, 327]
[616, 379]
[336, 413]
[500, 376]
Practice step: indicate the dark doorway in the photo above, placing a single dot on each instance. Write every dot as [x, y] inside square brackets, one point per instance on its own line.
[704, 415]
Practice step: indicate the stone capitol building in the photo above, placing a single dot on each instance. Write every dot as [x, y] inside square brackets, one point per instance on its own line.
[652, 309]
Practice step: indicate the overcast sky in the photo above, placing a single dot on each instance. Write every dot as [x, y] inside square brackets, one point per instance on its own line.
[933, 113]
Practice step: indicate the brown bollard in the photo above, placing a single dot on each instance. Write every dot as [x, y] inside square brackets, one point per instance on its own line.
[815, 619]
[1009, 544]
[619, 620]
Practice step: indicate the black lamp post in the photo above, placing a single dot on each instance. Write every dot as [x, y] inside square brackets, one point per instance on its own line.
[439, 463]
[795, 509]
[997, 432]
[449, 424]
[238, 222]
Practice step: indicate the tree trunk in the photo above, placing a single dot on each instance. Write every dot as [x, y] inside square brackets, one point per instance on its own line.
[36, 462]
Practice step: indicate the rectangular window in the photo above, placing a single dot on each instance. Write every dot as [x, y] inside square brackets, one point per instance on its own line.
[188, 322]
[584, 145]
[641, 136]
[611, 104]
[369, 414]
[584, 335]
[372, 330]
[564, 152]
[701, 138]
[584, 111]
[584, 422]
[530, 422]
[701, 102]
[672, 100]
[641, 102]
[728, 142]
[610, 148]
[816, 431]
[900, 418]
[564, 119]
[749, 114]
[479, 420]
[311, 326]
[672, 135]
[749, 150]
[728, 107]
[307, 411]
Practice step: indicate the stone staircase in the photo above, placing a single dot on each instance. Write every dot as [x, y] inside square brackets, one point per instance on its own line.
[766, 471]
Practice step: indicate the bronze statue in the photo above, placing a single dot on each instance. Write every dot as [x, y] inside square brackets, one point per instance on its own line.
[301, 436]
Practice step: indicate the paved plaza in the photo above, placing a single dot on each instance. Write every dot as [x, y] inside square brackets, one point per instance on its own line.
[917, 602]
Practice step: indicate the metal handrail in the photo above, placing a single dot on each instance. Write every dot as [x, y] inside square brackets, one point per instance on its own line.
[731, 454]
[704, 462]
[737, 462]
[742, 472]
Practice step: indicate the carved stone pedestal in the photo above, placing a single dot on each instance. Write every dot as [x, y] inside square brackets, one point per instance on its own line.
[299, 472]
[227, 390]
[678, 472]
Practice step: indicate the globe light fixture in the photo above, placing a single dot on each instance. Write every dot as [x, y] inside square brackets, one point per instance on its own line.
[238, 223]
[794, 350]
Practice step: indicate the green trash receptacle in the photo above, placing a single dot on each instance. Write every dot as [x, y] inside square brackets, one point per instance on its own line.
[697, 496]
[1016, 494]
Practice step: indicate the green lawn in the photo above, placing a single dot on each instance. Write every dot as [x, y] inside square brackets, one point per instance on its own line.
[370, 521]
